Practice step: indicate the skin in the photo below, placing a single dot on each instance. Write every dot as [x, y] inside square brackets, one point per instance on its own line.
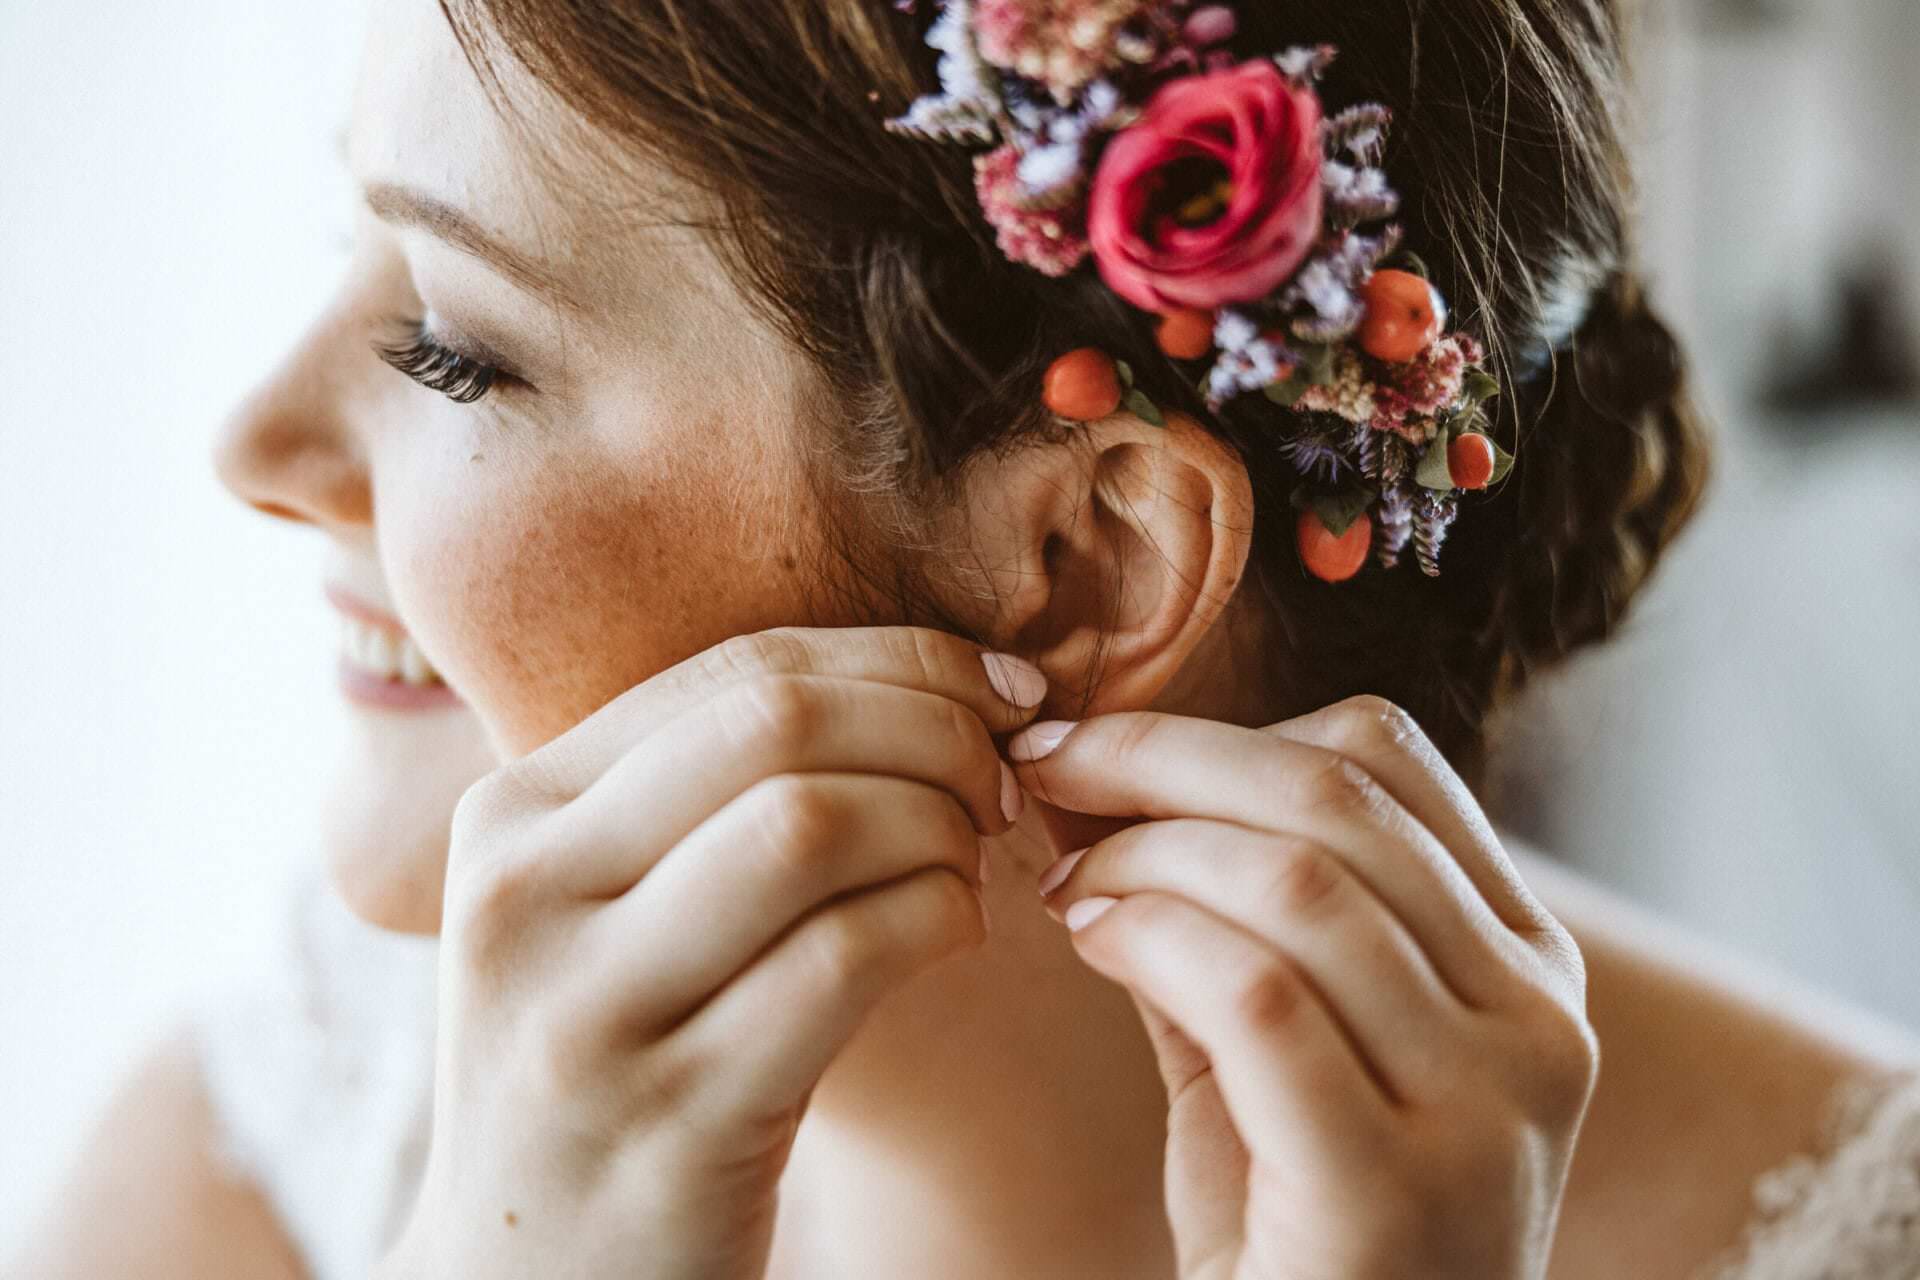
[552, 550]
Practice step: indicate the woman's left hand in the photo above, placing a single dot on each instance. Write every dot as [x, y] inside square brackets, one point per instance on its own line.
[1374, 1038]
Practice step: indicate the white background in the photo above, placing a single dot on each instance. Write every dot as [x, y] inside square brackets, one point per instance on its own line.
[170, 214]
[170, 211]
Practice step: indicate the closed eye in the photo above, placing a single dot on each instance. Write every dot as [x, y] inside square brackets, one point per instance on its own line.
[438, 367]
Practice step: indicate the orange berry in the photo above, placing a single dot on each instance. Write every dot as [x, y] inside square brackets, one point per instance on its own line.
[1470, 460]
[1082, 384]
[1185, 333]
[1404, 316]
[1331, 558]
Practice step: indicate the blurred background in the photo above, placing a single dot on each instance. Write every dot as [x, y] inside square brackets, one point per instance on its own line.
[172, 211]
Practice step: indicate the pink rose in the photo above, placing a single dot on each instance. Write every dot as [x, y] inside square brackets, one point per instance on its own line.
[1213, 194]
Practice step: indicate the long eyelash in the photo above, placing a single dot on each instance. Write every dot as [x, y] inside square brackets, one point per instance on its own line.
[423, 358]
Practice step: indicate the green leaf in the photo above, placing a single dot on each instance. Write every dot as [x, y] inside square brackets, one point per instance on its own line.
[1336, 510]
[1460, 423]
[1125, 371]
[1433, 472]
[1137, 401]
[1411, 261]
[1502, 462]
[1316, 363]
[1288, 390]
[1479, 386]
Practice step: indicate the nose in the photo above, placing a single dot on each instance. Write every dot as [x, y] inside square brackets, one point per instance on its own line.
[288, 449]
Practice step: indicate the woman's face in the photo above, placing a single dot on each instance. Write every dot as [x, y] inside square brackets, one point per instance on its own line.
[627, 492]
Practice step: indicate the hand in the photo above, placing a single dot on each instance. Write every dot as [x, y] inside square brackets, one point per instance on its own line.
[663, 925]
[1374, 1039]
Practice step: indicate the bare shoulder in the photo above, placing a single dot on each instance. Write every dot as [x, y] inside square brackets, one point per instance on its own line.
[1715, 1067]
[146, 1195]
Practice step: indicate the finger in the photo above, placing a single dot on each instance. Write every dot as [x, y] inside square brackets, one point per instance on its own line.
[1299, 1094]
[910, 657]
[774, 1029]
[1390, 744]
[771, 855]
[1154, 765]
[606, 840]
[1206, 1173]
[1302, 898]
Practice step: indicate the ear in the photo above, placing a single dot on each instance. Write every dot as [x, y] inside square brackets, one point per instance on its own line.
[1111, 554]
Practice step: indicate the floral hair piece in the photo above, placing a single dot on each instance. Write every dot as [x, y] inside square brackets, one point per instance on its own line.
[1216, 193]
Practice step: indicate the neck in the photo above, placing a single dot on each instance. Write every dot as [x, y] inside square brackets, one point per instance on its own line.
[1005, 1101]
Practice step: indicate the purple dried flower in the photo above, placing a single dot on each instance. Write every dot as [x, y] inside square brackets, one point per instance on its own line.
[1324, 294]
[1396, 458]
[1304, 64]
[1316, 454]
[1395, 512]
[967, 108]
[1050, 175]
[1360, 131]
[1233, 329]
[1356, 195]
[1249, 368]
[1433, 511]
[1365, 447]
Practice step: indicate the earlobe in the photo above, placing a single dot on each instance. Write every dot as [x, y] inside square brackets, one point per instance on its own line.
[1110, 556]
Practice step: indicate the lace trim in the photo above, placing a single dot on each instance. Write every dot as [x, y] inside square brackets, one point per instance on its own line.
[1850, 1210]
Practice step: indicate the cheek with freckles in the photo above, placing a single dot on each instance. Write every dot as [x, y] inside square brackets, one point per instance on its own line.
[548, 586]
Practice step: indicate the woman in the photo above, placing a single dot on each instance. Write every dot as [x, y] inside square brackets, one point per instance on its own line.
[808, 673]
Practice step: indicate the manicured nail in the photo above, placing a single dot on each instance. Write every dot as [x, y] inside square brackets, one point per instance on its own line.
[1012, 798]
[1015, 679]
[1038, 740]
[1056, 874]
[1086, 911]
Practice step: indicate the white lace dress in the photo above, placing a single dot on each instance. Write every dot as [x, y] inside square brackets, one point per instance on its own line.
[321, 1072]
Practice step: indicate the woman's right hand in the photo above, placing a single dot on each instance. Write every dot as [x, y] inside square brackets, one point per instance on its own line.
[662, 926]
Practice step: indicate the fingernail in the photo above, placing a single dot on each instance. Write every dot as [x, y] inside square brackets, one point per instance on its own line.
[1012, 798]
[1056, 874]
[1086, 911]
[1038, 740]
[983, 863]
[1015, 679]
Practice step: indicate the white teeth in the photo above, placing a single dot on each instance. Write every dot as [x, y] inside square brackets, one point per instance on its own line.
[381, 652]
[413, 665]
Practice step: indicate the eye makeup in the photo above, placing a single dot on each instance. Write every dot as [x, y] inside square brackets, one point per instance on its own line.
[436, 365]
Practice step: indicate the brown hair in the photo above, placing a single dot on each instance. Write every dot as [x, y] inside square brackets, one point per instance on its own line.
[869, 252]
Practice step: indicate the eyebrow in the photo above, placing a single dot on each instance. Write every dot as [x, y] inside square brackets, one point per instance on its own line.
[404, 207]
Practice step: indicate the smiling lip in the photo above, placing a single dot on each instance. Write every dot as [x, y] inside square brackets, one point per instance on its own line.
[354, 607]
[372, 689]
[394, 695]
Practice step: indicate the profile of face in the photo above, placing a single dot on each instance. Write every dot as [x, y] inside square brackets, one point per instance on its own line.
[628, 491]
[623, 495]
